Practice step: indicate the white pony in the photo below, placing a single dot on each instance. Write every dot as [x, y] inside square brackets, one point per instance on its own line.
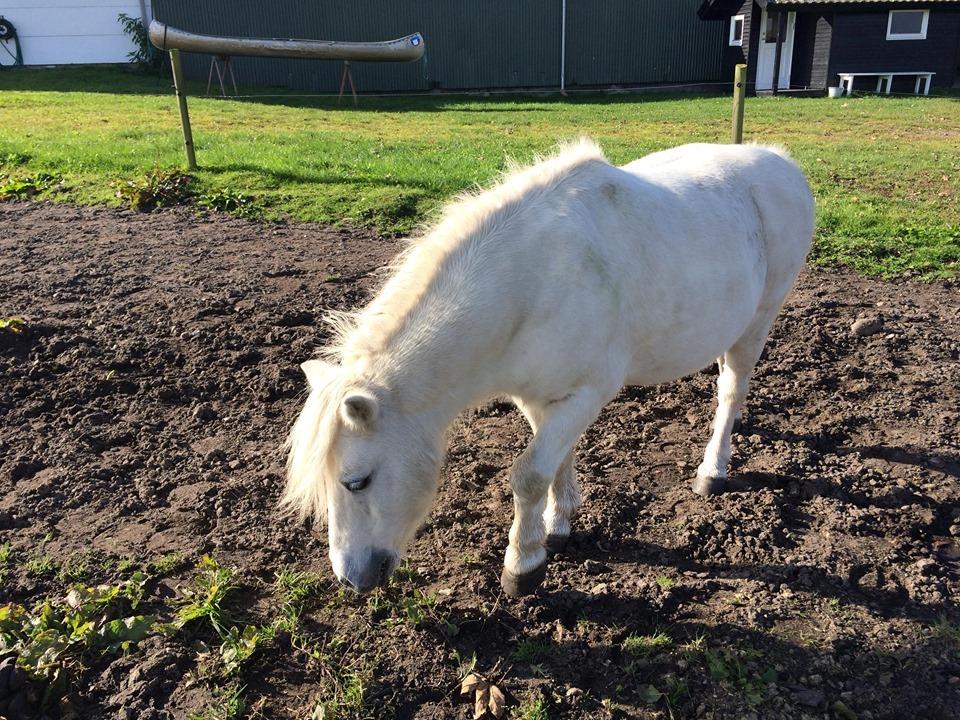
[556, 287]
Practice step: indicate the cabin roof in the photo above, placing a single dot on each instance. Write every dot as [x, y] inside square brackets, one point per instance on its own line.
[718, 9]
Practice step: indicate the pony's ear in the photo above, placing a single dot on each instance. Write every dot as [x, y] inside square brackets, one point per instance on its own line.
[317, 372]
[359, 410]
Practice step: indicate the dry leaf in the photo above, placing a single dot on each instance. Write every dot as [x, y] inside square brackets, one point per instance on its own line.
[470, 683]
[488, 700]
[482, 702]
[497, 702]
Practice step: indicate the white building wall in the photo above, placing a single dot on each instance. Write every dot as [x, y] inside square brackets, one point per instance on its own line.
[63, 32]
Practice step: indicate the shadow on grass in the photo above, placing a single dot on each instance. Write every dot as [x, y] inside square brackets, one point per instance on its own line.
[124, 80]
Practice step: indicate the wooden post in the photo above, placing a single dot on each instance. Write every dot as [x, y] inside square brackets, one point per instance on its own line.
[739, 92]
[184, 114]
[778, 54]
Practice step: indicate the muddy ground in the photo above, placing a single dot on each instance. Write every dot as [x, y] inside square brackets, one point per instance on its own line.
[141, 418]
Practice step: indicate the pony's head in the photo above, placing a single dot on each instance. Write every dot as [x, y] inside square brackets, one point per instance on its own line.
[355, 457]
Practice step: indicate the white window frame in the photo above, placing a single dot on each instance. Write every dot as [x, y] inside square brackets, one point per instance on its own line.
[922, 35]
[734, 42]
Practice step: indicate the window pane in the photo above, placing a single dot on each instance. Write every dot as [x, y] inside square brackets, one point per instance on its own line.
[770, 32]
[906, 22]
[736, 34]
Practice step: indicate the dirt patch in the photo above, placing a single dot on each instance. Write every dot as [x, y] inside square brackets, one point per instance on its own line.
[142, 415]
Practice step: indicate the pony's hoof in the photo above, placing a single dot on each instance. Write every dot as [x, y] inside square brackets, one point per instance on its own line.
[526, 584]
[555, 544]
[707, 486]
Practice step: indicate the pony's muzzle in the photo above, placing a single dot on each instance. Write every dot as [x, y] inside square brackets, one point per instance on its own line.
[374, 571]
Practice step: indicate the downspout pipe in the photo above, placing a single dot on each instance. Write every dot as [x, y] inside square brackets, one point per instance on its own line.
[143, 15]
[563, 48]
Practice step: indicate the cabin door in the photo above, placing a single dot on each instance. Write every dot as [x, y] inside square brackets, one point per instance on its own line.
[768, 51]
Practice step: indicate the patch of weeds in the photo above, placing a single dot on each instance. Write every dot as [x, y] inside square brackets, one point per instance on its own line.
[471, 559]
[665, 582]
[56, 636]
[695, 645]
[238, 646]
[345, 673]
[204, 597]
[533, 709]
[230, 201]
[228, 704]
[532, 651]
[644, 646]
[15, 326]
[167, 563]
[6, 555]
[158, 188]
[26, 187]
[124, 564]
[947, 631]
[404, 573]
[41, 566]
[296, 590]
[736, 668]
[15, 159]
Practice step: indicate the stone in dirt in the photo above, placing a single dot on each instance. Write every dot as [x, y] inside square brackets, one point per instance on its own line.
[867, 326]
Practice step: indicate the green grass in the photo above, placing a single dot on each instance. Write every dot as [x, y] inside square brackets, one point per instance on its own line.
[886, 171]
[646, 645]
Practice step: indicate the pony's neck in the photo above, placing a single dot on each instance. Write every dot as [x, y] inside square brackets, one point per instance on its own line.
[442, 355]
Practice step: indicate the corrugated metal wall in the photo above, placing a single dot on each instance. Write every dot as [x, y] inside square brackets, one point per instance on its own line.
[470, 43]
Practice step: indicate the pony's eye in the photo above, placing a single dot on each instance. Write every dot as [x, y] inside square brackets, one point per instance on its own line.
[357, 485]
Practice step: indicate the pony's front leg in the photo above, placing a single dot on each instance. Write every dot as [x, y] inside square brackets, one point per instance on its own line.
[561, 423]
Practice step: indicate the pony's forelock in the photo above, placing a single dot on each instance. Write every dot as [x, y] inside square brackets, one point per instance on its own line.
[309, 460]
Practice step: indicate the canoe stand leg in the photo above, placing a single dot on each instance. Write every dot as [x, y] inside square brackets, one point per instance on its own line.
[347, 75]
[223, 66]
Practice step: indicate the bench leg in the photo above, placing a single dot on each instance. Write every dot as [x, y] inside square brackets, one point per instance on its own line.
[916, 85]
[926, 87]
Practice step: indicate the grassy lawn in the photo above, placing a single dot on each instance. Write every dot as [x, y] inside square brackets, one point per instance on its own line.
[886, 171]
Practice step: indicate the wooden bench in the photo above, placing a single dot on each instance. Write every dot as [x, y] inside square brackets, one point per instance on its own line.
[846, 80]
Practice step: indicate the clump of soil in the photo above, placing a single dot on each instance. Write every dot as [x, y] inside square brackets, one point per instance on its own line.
[142, 417]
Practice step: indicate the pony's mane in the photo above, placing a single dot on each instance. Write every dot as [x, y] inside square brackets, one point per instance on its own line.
[463, 226]
[463, 223]
[309, 461]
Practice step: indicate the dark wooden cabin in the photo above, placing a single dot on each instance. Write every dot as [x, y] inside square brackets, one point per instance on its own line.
[809, 45]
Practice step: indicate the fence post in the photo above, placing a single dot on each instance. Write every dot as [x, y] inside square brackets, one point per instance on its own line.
[178, 85]
[739, 92]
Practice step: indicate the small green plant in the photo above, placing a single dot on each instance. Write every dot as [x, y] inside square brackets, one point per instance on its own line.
[230, 201]
[15, 159]
[665, 582]
[204, 597]
[643, 646]
[6, 553]
[532, 651]
[167, 563]
[56, 636]
[41, 566]
[26, 187]
[533, 709]
[734, 666]
[158, 188]
[15, 326]
[144, 55]
[73, 571]
[947, 631]
[228, 704]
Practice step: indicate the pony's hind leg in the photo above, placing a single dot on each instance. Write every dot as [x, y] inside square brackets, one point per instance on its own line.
[732, 386]
[563, 499]
[738, 415]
